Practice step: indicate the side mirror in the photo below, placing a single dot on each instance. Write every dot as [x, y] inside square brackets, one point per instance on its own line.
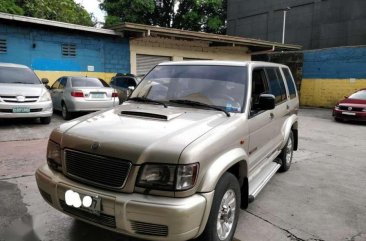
[45, 81]
[267, 102]
[346, 97]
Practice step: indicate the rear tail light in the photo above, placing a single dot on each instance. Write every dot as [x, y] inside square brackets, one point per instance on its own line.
[114, 94]
[77, 94]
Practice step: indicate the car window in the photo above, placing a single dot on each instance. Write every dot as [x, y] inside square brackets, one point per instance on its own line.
[220, 86]
[360, 95]
[63, 82]
[86, 82]
[276, 85]
[124, 82]
[259, 86]
[290, 83]
[13, 75]
[56, 84]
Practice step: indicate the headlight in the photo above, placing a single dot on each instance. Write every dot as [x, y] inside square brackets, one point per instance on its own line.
[167, 177]
[45, 96]
[336, 107]
[54, 155]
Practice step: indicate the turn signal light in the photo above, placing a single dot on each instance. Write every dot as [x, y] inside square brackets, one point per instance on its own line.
[77, 94]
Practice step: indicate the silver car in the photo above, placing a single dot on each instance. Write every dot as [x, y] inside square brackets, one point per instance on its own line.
[22, 94]
[82, 94]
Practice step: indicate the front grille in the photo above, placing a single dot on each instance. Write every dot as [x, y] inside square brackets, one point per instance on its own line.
[102, 219]
[11, 110]
[46, 196]
[149, 228]
[353, 108]
[13, 99]
[97, 170]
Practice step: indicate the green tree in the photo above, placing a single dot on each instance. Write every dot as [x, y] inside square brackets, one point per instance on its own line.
[196, 15]
[63, 11]
[10, 6]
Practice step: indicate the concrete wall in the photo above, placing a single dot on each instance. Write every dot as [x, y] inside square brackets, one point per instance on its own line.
[313, 24]
[179, 49]
[40, 49]
[331, 74]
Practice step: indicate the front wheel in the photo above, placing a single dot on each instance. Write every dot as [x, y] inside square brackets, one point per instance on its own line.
[224, 214]
[287, 153]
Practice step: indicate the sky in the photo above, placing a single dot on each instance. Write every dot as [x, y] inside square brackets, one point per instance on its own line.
[92, 6]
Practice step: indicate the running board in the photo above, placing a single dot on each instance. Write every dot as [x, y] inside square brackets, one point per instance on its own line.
[258, 183]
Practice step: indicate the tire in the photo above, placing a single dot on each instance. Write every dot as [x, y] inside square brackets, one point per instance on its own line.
[287, 153]
[338, 119]
[227, 189]
[45, 120]
[65, 112]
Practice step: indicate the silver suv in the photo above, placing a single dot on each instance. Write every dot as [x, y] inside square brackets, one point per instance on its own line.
[22, 94]
[195, 142]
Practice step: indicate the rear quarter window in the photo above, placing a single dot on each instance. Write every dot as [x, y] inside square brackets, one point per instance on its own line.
[290, 82]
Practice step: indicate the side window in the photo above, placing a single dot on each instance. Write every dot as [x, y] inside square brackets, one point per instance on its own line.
[259, 86]
[63, 82]
[290, 83]
[55, 85]
[276, 85]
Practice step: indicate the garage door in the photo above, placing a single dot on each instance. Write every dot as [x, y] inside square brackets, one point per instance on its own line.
[187, 59]
[145, 63]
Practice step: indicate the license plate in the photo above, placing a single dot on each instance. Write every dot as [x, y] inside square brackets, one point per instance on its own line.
[21, 109]
[97, 96]
[348, 113]
[89, 203]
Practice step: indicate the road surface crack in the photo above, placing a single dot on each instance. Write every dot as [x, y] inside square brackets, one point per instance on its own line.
[289, 233]
[15, 177]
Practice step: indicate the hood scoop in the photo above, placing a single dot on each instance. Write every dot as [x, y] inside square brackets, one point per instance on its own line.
[150, 115]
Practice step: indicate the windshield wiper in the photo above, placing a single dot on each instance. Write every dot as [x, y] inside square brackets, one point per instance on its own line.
[147, 100]
[196, 103]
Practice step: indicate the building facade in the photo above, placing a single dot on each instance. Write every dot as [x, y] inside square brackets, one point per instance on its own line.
[313, 24]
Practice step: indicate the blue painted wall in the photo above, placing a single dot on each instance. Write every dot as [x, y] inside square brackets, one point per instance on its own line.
[105, 53]
[335, 63]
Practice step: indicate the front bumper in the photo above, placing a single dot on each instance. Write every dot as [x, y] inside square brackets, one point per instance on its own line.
[38, 109]
[138, 215]
[349, 115]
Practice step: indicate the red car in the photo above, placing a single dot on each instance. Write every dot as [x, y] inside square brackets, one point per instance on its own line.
[352, 107]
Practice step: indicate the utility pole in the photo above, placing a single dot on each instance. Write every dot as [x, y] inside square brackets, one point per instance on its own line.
[284, 23]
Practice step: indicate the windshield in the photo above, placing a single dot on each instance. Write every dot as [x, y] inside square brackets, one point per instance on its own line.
[88, 82]
[360, 95]
[13, 75]
[220, 86]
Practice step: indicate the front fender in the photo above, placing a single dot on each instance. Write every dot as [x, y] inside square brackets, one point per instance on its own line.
[286, 128]
[219, 166]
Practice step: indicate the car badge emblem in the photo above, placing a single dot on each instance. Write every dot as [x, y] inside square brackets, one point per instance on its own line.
[95, 146]
[20, 98]
[349, 108]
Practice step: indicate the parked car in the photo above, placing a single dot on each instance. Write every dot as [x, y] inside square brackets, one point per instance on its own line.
[352, 108]
[194, 143]
[22, 94]
[124, 84]
[72, 94]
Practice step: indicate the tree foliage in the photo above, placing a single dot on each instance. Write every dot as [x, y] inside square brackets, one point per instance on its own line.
[63, 11]
[196, 15]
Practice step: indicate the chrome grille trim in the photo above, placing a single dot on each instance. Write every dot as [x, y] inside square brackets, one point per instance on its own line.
[149, 229]
[13, 99]
[100, 171]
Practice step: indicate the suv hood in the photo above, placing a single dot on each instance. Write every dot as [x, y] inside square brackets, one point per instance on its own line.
[141, 132]
[21, 89]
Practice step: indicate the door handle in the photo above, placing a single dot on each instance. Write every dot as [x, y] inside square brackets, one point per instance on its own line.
[271, 116]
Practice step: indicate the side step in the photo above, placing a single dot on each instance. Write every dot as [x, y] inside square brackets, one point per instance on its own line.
[258, 183]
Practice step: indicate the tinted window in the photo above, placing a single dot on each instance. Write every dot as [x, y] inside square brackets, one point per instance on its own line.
[276, 85]
[259, 86]
[221, 86]
[124, 82]
[62, 83]
[18, 76]
[86, 82]
[290, 83]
